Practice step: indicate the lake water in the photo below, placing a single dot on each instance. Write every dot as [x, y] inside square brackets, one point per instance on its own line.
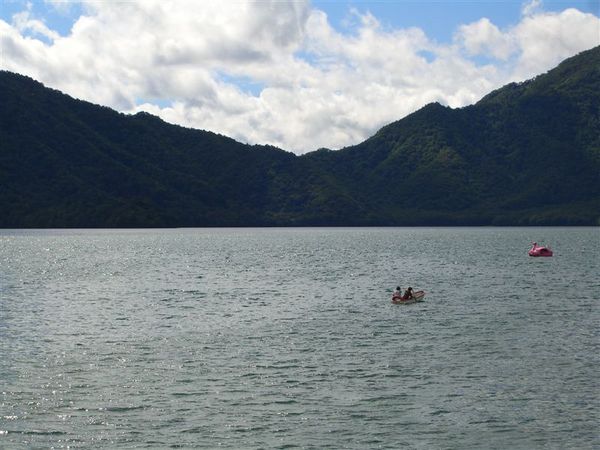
[286, 338]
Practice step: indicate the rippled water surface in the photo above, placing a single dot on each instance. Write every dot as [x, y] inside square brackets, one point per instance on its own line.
[286, 338]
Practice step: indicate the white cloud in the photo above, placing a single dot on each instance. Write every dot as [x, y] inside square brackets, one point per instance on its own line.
[317, 87]
[24, 23]
[537, 43]
[63, 6]
[545, 39]
[485, 38]
[531, 7]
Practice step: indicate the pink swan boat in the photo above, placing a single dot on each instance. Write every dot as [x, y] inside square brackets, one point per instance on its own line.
[537, 250]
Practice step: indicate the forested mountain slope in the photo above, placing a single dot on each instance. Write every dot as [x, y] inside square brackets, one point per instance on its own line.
[527, 153]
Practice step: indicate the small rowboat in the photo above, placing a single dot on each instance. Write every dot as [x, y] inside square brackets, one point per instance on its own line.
[417, 297]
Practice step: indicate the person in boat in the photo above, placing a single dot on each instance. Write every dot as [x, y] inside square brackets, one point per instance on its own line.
[397, 293]
[408, 294]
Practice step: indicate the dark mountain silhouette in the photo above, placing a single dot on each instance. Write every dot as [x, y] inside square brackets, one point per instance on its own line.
[526, 154]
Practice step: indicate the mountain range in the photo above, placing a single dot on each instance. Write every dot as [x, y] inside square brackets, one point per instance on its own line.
[526, 154]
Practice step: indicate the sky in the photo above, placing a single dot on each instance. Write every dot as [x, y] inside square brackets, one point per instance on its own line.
[298, 74]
